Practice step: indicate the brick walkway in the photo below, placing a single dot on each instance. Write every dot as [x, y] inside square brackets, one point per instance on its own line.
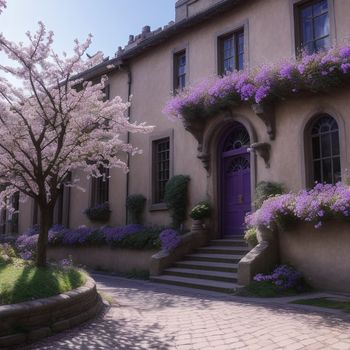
[148, 316]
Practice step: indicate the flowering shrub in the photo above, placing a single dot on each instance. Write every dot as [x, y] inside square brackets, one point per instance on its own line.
[7, 253]
[321, 203]
[75, 237]
[200, 211]
[314, 73]
[26, 244]
[100, 212]
[250, 236]
[169, 239]
[114, 235]
[32, 231]
[66, 263]
[283, 277]
[129, 236]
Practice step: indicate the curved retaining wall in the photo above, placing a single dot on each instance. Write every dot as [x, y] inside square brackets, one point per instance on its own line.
[322, 256]
[32, 320]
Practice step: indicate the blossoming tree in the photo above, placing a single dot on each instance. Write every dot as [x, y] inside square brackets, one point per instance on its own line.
[54, 123]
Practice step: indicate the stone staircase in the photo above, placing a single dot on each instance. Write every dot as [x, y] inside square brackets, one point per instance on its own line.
[212, 268]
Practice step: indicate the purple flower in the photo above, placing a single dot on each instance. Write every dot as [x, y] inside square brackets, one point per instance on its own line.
[66, 263]
[301, 68]
[169, 239]
[287, 70]
[310, 72]
[345, 68]
[261, 93]
[344, 52]
[32, 231]
[247, 91]
[116, 234]
[284, 277]
[320, 213]
[315, 205]
[78, 236]
[26, 255]
[318, 225]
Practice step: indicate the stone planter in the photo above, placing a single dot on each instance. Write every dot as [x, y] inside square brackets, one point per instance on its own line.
[265, 234]
[29, 321]
[321, 255]
[251, 245]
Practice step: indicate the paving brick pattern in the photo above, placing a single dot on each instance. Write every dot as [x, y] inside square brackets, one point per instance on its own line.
[149, 316]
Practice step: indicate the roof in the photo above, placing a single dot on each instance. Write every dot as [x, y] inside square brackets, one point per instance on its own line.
[159, 36]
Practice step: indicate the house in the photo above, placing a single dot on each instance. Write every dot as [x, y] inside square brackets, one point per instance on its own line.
[297, 141]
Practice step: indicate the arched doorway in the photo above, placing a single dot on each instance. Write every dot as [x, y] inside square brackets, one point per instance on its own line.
[235, 180]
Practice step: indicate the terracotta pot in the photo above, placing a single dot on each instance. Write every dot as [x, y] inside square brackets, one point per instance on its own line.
[197, 225]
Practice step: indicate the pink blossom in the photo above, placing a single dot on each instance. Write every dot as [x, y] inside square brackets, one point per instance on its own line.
[2, 5]
[57, 122]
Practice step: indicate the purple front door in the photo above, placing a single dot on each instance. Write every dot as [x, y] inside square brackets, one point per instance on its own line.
[235, 189]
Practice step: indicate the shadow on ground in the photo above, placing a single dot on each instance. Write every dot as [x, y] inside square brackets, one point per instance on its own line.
[105, 333]
[150, 316]
[161, 297]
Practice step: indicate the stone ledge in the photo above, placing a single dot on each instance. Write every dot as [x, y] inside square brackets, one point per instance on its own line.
[189, 242]
[32, 320]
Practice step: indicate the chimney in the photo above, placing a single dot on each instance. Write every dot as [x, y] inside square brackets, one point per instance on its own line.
[131, 39]
[188, 8]
[146, 29]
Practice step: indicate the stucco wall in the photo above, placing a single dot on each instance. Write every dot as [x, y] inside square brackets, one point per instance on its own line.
[80, 200]
[25, 215]
[322, 256]
[269, 28]
[105, 258]
[288, 150]
[269, 40]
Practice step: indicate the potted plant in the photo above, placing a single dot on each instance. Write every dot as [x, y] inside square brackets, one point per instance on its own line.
[100, 212]
[198, 213]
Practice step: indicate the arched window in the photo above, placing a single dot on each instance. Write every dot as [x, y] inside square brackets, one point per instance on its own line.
[325, 150]
[237, 139]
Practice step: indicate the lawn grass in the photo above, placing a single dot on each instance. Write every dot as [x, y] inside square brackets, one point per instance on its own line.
[325, 303]
[23, 282]
[264, 289]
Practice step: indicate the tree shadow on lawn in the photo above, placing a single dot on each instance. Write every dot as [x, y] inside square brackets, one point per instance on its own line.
[21, 287]
[35, 283]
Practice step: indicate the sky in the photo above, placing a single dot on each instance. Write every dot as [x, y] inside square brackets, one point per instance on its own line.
[110, 21]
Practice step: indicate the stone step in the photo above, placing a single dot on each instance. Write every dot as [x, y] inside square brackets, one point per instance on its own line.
[229, 242]
[226, 258]
[202, 274]
[207, 265]
[232, 250]
[216, 286]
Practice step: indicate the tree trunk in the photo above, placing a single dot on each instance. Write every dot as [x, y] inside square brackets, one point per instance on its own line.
[46, 219]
